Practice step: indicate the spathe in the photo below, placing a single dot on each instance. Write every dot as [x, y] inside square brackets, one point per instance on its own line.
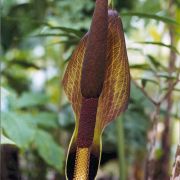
[107, 98]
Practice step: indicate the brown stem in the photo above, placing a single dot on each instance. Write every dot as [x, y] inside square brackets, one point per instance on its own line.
[170, 89]
[150, 166]
[164, 161]
[145, 93]
[176, 167]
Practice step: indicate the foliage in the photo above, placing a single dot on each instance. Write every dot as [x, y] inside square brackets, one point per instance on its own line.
[28, 129]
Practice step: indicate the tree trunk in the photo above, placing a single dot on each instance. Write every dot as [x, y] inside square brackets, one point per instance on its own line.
[9, 163]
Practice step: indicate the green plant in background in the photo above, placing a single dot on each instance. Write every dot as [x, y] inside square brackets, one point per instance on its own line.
[28, 129]
[37, 41]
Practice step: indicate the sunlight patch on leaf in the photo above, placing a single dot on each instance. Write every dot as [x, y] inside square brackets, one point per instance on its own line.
[5, 140]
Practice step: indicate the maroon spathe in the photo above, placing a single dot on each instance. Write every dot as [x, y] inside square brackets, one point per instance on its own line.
[87, 122]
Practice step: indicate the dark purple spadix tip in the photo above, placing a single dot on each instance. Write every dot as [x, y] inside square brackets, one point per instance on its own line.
[93, 69]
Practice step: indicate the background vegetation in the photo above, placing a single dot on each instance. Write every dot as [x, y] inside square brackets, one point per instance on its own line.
[37, 39]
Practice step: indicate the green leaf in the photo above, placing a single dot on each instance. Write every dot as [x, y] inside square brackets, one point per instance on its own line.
[174, 89]
[134, 49]
[151, 16]
[143, 82]
[136, 125]
[160, 44]
[46, 119]
[8, 99]
[5, 140]
[67, 42]
[17, 128]
[140, 66]
[24, 64]
[49, 150]
[29, 99]
[55, 34]
[159, 153]
[149, 80]
[154, 62]
[68, 30]
[166, 75]
[66, 116]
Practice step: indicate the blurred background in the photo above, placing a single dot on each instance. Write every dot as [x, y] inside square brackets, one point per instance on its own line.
[37, 40]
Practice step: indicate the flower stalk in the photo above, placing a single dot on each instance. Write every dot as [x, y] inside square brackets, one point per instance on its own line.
[121, 148]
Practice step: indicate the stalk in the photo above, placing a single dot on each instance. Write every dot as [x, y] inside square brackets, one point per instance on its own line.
[121, 148]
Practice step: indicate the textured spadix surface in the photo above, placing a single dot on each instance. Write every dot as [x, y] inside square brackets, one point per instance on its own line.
[105, 93]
